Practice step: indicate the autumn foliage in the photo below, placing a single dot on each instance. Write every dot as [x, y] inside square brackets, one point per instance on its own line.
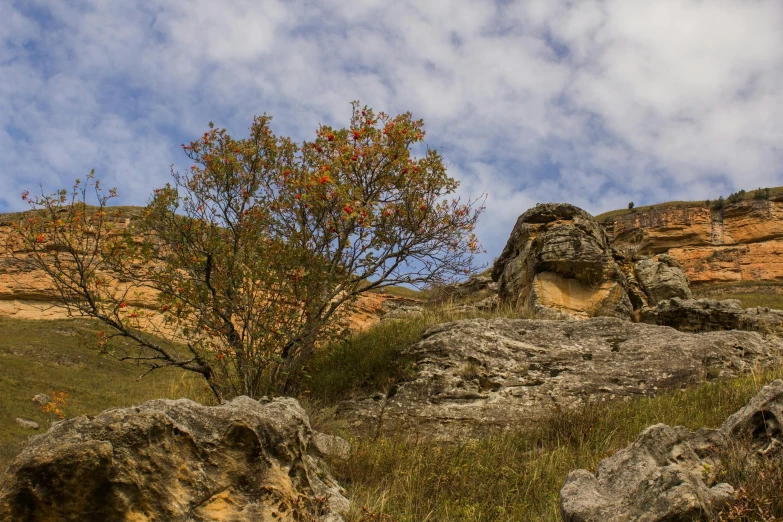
[258, 248]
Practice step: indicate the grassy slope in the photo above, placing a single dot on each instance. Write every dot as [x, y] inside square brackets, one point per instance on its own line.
[44, 356]
[514, 476]
[606, 216]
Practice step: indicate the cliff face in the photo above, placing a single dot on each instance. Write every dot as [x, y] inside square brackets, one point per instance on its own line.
[742, 242]
[28, 294]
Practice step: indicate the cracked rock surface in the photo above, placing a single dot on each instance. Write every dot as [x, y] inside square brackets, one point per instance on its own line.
[669, 474]
[476, 375]
[174, 460]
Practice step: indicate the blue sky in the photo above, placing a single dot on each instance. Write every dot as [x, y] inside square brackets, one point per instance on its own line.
[597, 103]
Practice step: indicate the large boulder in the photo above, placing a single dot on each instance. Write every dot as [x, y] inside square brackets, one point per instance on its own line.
[699, 315]
[662, 279]
[670, 473]
[477, 375]
[174, 460]
[558, 261]
[667, 474]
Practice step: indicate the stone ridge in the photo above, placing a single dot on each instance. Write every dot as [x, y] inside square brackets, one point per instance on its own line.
[476, 375]
[558, 261]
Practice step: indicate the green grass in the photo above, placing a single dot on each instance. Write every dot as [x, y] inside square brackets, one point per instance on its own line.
[751, 300]
[767, 294]
[511, 476]
[45, 356]
[517, 476]
[404, 291]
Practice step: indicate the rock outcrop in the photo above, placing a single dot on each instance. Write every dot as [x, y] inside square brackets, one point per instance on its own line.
[479, 375]
[670, 473]
[701, 315]
[761, 420]
[174, 460]
[662, 279]
[667, 474]
[742, 242]
[558, 261]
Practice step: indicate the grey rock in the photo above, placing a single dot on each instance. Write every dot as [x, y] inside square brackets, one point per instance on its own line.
[667, 474]
[662, 279]
[174, 460]
[403, 312]
[559, 258]
[27, 423]
[761, 420]
[670, 473]
[330, 446]
[41, 399]
[698, 315]
[477, 375]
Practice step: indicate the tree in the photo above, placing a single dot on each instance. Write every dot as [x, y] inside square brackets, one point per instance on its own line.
[257, 250]
[630, 205]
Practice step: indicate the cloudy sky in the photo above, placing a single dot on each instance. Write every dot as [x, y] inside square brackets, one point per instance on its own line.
[597, 103]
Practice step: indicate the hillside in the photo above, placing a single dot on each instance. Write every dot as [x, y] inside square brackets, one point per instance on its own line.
[27, 294]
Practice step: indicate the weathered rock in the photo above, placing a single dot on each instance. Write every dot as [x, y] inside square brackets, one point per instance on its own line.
[27, 423]
[475, 284]
[174, 460]
[761, 420]
[330, 446]
[41, 399]
[699, 315]
[558, 258]
[667, 474]
[662, 279]
[477, 375]
[403, 312]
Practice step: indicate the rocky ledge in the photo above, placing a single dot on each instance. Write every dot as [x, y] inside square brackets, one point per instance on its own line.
[176, 460]
[701, 315]
[476, 375]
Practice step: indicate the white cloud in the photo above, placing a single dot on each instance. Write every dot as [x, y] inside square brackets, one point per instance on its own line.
[593, 102]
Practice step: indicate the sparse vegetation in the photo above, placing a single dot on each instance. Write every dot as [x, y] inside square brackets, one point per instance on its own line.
[766, 294]
[761, 193]
[517, 476]
[510, 476]
[257, 250]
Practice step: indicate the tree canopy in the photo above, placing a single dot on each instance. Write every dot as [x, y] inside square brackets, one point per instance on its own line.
[256, 251]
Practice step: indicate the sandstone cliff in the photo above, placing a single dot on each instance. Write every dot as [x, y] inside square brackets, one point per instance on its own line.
[741, 242]
[28, 294]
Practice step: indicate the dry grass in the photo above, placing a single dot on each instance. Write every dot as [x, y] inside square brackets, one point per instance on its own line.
[517, 476]
[511, 476]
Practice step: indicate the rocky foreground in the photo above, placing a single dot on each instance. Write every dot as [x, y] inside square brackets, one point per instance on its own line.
[670, 473]
[478, 375]
[168, 460]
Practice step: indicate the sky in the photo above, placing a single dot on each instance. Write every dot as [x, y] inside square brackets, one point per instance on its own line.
[595, 103]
